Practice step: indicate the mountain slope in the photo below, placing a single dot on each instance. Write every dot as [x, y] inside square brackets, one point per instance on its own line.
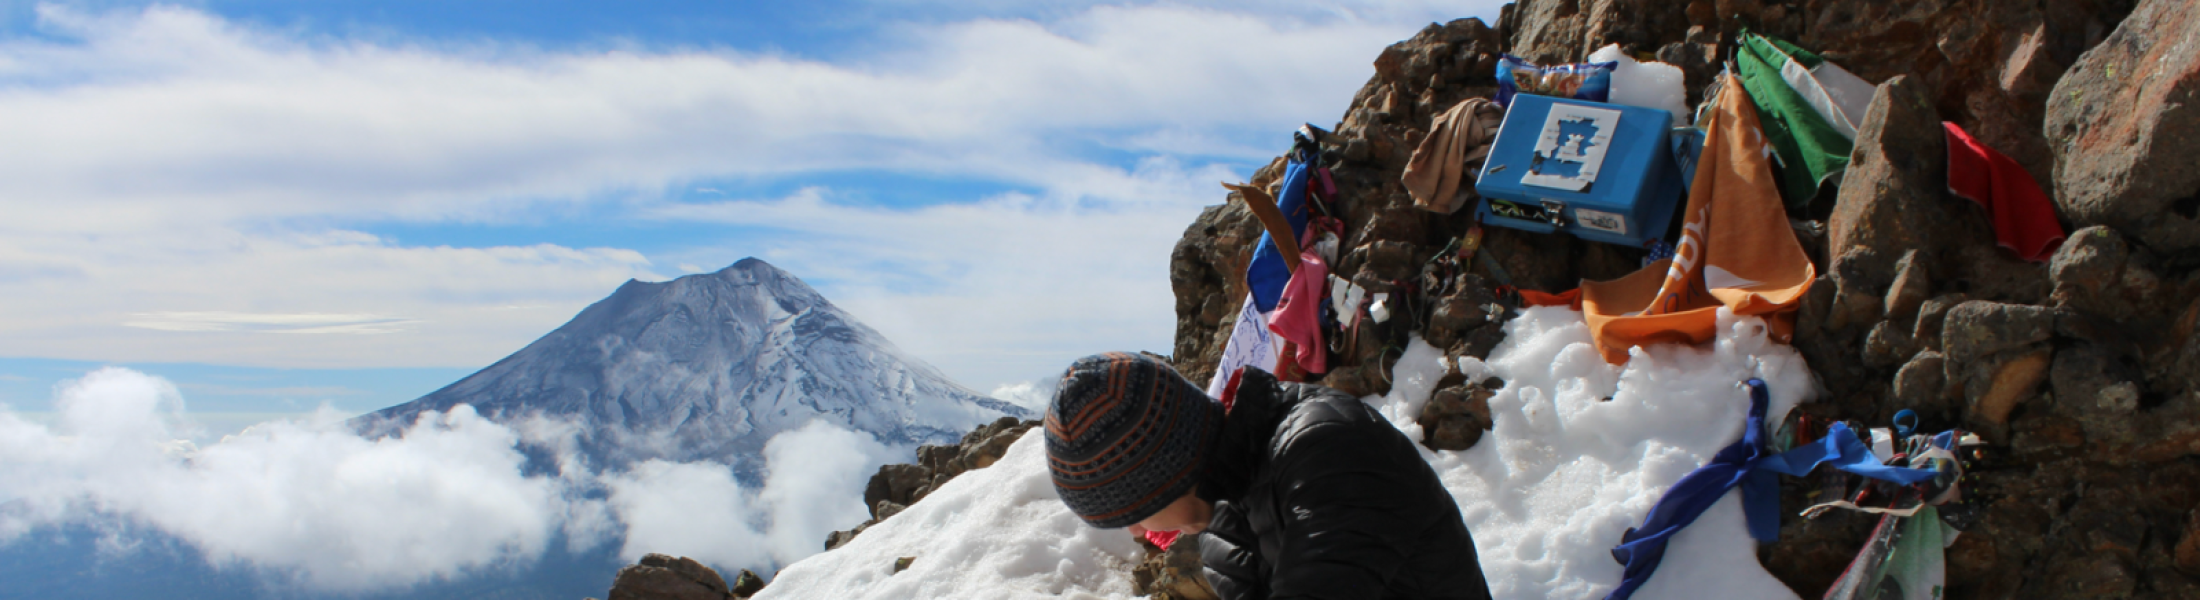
[711, 366]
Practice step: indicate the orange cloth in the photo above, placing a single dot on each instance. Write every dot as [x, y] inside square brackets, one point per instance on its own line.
[1569, 298]
[1736, 249]
[1459, 137]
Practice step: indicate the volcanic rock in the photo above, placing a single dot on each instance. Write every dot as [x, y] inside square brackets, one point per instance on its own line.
[662, 577]
[2126, 126]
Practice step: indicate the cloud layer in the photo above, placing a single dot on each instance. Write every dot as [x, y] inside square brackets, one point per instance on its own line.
[312, 504]
[178, 183]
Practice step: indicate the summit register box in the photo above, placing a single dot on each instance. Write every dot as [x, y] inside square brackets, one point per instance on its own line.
[1601, 172]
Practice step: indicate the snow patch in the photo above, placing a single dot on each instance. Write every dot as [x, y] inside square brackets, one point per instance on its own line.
[1580, 451]
[997, 532]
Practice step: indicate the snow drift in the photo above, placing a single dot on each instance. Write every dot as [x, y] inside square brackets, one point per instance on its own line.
[1579, 452]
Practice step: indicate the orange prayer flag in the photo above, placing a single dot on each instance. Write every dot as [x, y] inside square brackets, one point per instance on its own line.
[1736, 249]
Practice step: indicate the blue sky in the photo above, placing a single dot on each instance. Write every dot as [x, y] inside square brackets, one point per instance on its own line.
[279, 204]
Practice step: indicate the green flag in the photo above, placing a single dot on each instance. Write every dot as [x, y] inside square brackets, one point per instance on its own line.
[1833, 92]
[1811, 149]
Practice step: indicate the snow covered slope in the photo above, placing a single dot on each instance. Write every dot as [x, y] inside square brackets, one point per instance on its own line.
[710, 367]
[1546, 493]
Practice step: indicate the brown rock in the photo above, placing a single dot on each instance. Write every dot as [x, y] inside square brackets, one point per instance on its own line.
[2116, 288]
[2125, 128]
[1357, 380]
[1888, 344]
[1932, 315]
[2012, 382]
[1893, 203]
[834, 540]
[2047, 438]
[1970, 560]
[662, 577]
[1455, 417]
[1206, 273]
[1456, 314]
[1921, 384]
[1386, 260]
[1987, 64]
[981, 448]
[2188, 548]
[894, 483]
[2099, 388]
[886, 509]
[1892, 200]
[747, 584]
[1973, 330]
[1912, 286]
[1174, 574]
[1559, 31]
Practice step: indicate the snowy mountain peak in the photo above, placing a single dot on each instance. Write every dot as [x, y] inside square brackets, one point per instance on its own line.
[711, 366]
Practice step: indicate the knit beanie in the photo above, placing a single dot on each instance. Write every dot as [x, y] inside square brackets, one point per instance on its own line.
[1125, 435]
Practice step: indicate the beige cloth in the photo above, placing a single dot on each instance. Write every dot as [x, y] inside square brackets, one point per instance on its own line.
[1459, 137]
[1736, 249]
[1272, 219]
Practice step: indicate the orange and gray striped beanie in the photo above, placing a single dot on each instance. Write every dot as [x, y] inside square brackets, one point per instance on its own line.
[1125, 434]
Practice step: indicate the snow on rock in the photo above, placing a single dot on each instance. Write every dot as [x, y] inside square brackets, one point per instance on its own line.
[1581, 449]
[710, 367]
[1579, 452]
[997, 532]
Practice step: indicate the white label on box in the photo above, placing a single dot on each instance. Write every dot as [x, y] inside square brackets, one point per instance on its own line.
[1600, 220]
[1571, 147]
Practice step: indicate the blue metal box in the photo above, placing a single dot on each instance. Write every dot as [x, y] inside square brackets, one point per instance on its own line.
[1601, 172]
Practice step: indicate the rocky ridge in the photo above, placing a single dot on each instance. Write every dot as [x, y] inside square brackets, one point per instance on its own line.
[2083, 372]
[2080, 370]
[663, 577]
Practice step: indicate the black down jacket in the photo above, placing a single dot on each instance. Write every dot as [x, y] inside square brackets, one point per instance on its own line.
[1317, 496]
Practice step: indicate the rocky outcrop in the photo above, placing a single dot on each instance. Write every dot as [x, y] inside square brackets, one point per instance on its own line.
[2083, 373]
[1457, 413]
[2125, 122]
[1388, 243]
[895, 487]
[662, 577]
[1987, 65]
[1205, 275]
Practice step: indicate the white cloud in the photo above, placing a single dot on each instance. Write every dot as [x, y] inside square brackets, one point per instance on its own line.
[808, 493]
[165, 163]
[1036, 395]
[214, 122]
[815, 487]
[186, 297]
[310, 503]
[271, 323]
[695, 510]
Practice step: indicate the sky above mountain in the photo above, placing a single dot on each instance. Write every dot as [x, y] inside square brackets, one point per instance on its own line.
[275, 192]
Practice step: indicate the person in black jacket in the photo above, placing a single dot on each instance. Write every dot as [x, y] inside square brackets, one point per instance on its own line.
[1300, 491]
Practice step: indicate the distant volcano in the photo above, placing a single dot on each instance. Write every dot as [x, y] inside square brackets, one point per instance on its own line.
[711, 367]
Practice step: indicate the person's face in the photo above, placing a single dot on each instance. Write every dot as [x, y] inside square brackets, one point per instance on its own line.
[1188, 515]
